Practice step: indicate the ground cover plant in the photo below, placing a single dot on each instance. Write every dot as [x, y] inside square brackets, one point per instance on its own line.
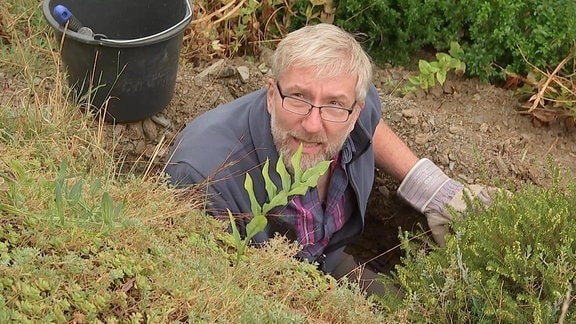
[512, 263]
[83, 241]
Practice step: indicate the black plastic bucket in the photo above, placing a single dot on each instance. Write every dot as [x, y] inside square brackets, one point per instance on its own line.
[128, 67]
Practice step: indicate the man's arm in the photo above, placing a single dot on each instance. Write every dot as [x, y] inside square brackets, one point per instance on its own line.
[391, 154]
[424, 185]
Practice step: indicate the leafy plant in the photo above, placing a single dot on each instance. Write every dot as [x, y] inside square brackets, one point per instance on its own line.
[276, 196]
[69, 197]
[433, 71]
[502, 33]
[511, 263]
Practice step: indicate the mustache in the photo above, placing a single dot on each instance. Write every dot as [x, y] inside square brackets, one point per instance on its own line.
[299, 136]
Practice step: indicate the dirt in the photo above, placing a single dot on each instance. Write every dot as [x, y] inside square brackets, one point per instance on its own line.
[470, 129]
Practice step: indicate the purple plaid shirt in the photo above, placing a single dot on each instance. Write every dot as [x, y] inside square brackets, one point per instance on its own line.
[312, 223]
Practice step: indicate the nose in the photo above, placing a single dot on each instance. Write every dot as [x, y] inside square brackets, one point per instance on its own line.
[312, 123]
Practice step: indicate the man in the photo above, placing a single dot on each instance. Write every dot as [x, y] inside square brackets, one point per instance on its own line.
[320, 96]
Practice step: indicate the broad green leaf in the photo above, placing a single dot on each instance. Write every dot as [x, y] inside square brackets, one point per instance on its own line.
[298, 189]
[415, 79]
[296, 163]
[456, 50]
[284, 175]
[235, 232]
[281, 199]
[256, 225]
[313, 174]
[424, 67]
[434, 67]
[460, 67]
[268, 183]
[249, 186]
[317, 171]
[443, 57]
[441, 76]
[76, 192]
[430, 81]
[107, 208]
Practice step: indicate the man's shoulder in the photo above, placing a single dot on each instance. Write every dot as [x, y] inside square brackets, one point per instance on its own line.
[219, 134]
[225, 119]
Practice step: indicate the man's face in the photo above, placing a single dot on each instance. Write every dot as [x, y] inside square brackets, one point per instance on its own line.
[320, 139]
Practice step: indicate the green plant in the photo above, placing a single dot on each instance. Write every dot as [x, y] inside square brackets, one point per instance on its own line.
[437, 70]
[500, 34]
[492, 32]
[514, 262]
[163, 261]
[69, 196]
[300, 183]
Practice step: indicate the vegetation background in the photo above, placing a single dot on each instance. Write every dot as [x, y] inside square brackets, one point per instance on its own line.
[85, 237]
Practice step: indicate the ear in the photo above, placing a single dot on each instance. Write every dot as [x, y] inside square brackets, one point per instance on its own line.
[270, 88]
[357, 111]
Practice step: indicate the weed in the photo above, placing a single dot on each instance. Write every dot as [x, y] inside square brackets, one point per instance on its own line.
[433, 71]
[290, 187]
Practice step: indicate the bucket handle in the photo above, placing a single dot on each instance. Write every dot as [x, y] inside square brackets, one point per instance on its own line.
[141, 39]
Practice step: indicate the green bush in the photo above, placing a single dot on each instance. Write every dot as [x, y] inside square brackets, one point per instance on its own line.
[501, 31]
[493, 31]
[514, 263]
[394, 30]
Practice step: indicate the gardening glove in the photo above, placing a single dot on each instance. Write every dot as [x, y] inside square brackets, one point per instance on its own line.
[430, 191]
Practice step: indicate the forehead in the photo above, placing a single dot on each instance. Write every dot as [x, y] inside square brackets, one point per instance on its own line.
[308, 79]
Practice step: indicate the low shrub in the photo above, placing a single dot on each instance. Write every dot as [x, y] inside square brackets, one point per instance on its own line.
[493, 33]
[514, 263]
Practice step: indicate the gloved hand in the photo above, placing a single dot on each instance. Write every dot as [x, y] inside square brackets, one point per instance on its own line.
[429, 190]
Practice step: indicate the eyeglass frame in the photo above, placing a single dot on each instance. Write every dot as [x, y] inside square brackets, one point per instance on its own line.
[312, 106]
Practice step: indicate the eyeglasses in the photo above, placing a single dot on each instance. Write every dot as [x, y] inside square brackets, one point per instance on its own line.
[302, 107]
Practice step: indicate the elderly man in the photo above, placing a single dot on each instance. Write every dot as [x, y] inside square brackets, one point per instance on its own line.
[320, 96]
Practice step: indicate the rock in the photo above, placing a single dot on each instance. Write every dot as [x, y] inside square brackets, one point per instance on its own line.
[218, 69]
[244, 72]
[413, 121]
[215, 68]
[410, 113]
[150, 129]
[456, 129]
[262, 67]
[134, 130]
[421, 139]
[448, 87]
[396, 117]
[443, 159]
[502, 167]
[140, 147]
[161, 120]
[436, 91]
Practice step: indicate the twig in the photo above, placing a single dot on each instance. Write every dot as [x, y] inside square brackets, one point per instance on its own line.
[565, 305]
[552, 146]
[540, 96]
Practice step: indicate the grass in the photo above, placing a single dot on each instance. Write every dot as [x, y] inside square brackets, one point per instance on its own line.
[81, 240]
